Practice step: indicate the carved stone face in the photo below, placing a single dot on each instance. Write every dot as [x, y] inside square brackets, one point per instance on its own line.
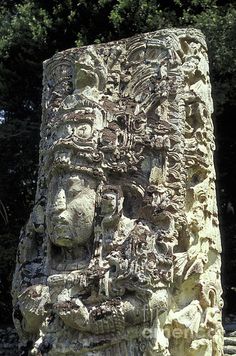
[70, 206]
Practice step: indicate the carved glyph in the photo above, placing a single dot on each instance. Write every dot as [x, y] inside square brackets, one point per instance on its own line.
[121, 254]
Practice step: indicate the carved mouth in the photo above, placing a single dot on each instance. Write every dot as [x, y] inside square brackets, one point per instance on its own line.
[61, 225]
[63, 241]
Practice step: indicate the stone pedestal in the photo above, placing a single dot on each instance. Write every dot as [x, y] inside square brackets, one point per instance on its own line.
[121, 254]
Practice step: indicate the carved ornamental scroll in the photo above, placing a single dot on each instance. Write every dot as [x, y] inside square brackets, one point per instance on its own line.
[121, 254]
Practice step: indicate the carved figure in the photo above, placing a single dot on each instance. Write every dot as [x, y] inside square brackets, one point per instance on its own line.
[122, 246]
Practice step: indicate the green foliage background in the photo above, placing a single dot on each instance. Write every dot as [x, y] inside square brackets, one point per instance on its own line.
[31, 31]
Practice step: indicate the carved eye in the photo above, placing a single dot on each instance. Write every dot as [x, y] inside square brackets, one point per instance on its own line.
[80, 214]
[73, 193]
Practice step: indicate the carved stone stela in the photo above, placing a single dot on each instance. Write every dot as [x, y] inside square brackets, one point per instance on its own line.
[121, 254]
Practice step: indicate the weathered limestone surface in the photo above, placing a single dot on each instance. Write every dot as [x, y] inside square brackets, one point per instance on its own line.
[121, 254]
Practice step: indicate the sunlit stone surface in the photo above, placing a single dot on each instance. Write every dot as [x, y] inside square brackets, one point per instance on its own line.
[121, 254]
